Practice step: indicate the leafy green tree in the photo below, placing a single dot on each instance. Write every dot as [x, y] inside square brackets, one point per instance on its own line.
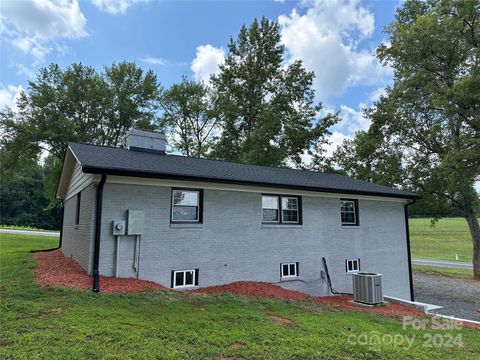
[367, 157]
[79, 104]
[267, 111]
[188, 115]
[76, 104]
[22, 200]
[431, 115]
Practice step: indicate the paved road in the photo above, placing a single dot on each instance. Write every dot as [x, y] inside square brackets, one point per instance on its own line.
[443, 263]
[30, 232]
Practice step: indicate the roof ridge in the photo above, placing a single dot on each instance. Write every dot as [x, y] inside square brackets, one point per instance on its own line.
[222, 161]
[189, 166]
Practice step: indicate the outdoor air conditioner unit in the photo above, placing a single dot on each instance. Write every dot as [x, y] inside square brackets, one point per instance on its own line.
[367, 288]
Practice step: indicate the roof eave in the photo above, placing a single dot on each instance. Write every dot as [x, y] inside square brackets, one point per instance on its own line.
[121, 172]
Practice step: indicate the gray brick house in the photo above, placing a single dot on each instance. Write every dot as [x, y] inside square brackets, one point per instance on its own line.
[185, 222]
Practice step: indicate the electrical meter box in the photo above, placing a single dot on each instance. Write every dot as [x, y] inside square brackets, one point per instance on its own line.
[119, 227]
[136, 219]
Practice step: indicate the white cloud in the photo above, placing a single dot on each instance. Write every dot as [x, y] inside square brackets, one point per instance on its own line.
[353, 120]
[9, 95]
[207, 62]
[25, 71]
[327, 39]
[336, 139]
[154, 61]
[35, 26]
[116, 7]
[375, 94]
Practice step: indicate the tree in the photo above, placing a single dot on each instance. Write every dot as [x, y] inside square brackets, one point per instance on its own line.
[367, 157]
[22, 201]
[78, 105]
[267, 111]
[431, 115]
[188, 115]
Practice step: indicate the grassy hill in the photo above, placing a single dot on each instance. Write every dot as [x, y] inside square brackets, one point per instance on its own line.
[48, 323]
[446, 238]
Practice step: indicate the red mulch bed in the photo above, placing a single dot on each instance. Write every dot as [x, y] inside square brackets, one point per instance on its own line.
[57, 270]
[260, 289]
[251, 288]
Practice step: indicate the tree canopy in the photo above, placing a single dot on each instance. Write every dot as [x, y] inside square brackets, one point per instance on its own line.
[188, 115]
[78, 104]
[428, 123]
[267, 111]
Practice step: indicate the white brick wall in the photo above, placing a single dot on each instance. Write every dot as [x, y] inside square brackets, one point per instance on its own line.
[232, 244]
[77, 241]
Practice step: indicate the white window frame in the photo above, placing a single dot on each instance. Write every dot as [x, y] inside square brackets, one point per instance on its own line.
[298, 209]
[279, 209]
[355, 269]
[197, 220]
[184, 286]
[355, 215]
[289, 276]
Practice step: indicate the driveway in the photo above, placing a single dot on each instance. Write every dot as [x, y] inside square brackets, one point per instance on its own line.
[460, 298]
[30, 232]
[443, 263]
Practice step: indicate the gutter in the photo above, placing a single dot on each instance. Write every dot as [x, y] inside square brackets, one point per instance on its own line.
[98, 227]
[407, 232]
[95, 170]
[61, 233]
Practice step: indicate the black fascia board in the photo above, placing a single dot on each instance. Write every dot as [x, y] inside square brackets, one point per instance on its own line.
[145, 174]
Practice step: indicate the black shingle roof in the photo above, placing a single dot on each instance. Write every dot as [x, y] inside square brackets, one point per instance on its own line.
[115, 161]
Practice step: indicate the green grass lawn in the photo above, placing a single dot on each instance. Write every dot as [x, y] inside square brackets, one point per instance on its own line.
[49, 323]
[448, 237]
[443, 271]
[16, 227]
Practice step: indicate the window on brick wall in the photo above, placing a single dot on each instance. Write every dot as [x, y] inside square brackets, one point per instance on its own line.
[77, 208]
[352, 265]
[186, 205]
[289, 270]
[184, 278]
[279, 209]
[349, 211]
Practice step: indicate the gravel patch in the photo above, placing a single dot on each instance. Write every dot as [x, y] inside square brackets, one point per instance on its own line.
[460, 298]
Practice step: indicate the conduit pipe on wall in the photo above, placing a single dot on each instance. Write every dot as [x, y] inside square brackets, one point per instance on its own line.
[98, 228]
[117, 256]
[136, 255]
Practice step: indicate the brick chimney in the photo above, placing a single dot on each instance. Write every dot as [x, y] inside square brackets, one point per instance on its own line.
[148, 141]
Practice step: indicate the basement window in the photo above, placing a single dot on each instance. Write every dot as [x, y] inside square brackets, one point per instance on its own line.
[77, 208]
[277, 209]
[184, 278]
[289, 270]
[352, 266]
[349, 212]
[186, 206]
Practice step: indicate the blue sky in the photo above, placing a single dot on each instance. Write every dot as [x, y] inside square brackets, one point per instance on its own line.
[334, 38]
